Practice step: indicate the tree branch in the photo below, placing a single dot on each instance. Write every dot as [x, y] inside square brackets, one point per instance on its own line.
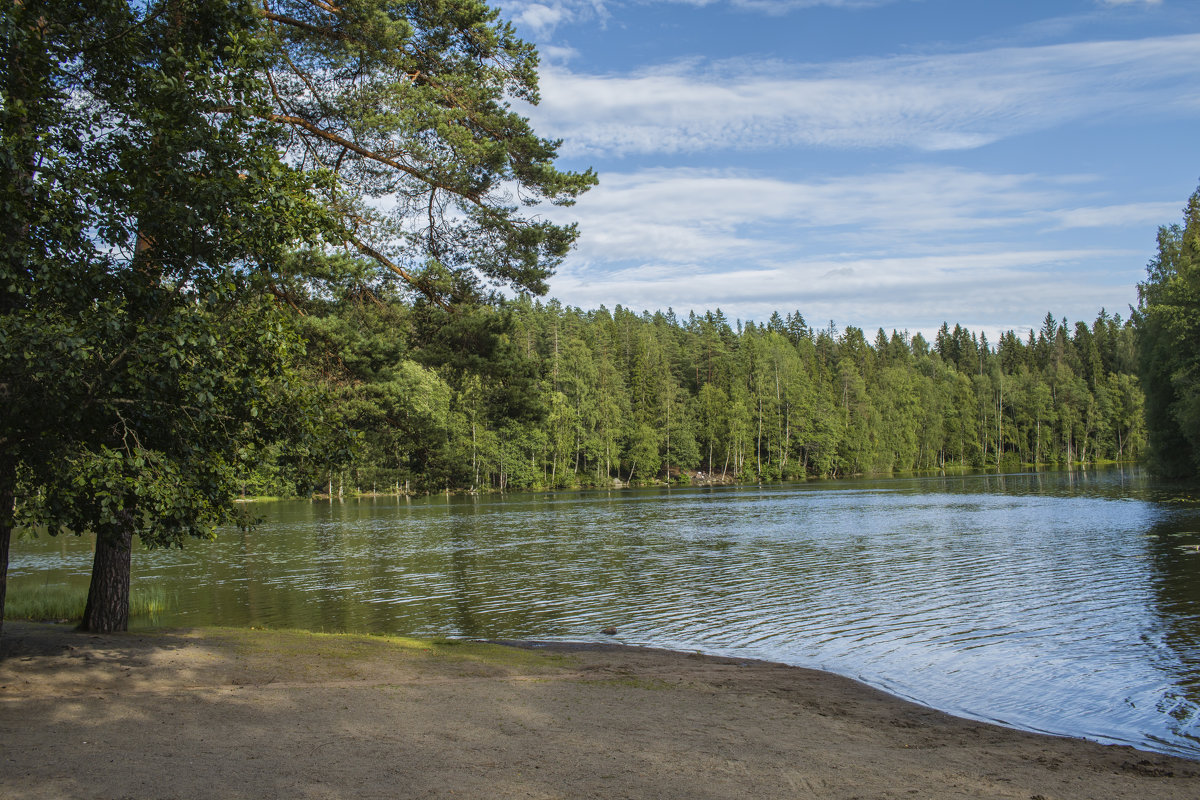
[330, 136]
[411, 279]
[332, 9]
[305, 26]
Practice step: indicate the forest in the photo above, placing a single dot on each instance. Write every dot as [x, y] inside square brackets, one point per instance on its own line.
[286, 249]
[534, 395]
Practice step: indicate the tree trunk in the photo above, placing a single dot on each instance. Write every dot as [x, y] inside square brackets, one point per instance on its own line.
[5, 537]
[8, 479]
[758, 441]
[107, 607]
[668, 442]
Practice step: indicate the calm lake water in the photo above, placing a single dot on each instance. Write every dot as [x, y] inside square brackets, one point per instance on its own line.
[1060, 602]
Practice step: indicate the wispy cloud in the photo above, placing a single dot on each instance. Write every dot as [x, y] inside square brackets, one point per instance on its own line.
[931, 103]
[543, 17]
[985, 289]
[897, 248]
[557, 54]
[681, 215]
[536, 13]
[784, 6]
[1128, 214]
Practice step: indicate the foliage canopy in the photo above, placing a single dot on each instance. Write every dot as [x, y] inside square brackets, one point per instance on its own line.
[160, 164]
[1168, 319]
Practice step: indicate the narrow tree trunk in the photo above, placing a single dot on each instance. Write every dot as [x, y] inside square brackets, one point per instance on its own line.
[758, 441]
[107, 607]
[787, 439]
[1000, 424]
[578, 445]
[5, 537]
[668, 442]
[8, 479]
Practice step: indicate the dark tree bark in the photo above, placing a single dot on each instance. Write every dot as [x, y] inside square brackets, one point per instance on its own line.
[107, 607]
[7, 481]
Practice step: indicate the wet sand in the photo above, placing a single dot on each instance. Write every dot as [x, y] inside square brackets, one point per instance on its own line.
[220, 713]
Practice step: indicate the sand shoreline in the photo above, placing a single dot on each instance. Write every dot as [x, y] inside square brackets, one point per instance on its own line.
[262, 714]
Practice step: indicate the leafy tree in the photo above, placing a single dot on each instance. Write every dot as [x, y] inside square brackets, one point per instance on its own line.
[145, 373]
[410, 101]
[160, 160]
[642, 450]
[1168, 328]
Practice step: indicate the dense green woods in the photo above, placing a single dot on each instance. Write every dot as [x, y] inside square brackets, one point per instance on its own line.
[538, 395]
[1168, 322]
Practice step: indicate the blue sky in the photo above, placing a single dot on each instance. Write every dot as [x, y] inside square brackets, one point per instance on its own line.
[879, 163]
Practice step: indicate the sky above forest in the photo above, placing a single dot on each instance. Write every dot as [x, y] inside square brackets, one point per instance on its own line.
[878, 163]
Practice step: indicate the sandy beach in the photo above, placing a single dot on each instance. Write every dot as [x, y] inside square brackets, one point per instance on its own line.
[222, 713]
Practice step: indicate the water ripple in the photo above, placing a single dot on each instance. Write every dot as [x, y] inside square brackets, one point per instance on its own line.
[1065, 603]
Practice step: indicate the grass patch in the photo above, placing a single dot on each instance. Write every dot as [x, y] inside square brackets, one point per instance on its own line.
[354, 646]
[55, 602]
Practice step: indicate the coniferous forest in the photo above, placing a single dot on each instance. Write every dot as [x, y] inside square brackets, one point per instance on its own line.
[533, 395]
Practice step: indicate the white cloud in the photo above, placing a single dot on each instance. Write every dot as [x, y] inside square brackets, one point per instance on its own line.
[894, 249]
[937, 102]
[542, 18]
[557, 53]
[682, 215]
[537, 13]
[776, 7]
[980, 287]
[1143, 214]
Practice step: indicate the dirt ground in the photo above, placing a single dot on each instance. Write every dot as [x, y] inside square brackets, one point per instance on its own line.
[218, 713]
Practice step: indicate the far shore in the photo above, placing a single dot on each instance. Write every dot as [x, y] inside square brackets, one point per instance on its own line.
[231, 713]
[697, 479]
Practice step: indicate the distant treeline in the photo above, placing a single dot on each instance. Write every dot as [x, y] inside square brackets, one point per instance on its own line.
[527, 395]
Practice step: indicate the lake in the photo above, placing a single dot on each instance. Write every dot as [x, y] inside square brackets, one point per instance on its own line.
[1062, 602]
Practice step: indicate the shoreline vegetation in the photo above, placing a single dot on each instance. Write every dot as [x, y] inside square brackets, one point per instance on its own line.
[65, 604]
[698, 478]
[535, 396]
[339, 715]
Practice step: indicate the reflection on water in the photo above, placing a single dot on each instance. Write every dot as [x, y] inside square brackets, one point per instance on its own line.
[1064, 602]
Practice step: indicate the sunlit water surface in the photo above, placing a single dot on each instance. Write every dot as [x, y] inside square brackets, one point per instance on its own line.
[1062, 602]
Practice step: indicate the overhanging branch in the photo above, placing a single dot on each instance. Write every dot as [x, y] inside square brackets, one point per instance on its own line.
[408, 277]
